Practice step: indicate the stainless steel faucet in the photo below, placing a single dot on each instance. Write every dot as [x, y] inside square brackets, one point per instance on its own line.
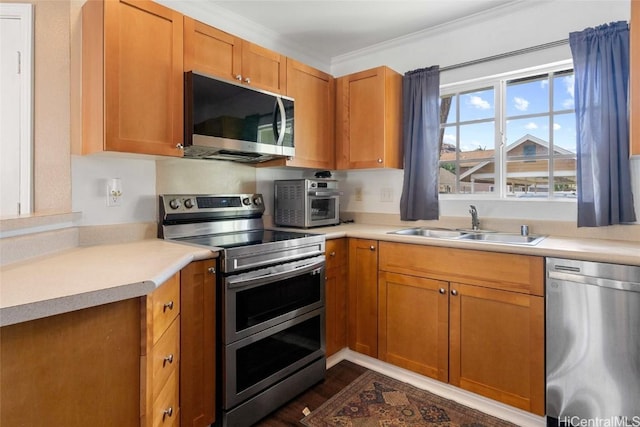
[475, 221]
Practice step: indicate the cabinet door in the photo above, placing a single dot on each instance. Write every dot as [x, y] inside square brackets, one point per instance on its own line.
[497, 345]
[413, 326]
[211, 51]
[336, 295]
[263, 68]
[363, 296]
[314, 94]
[143, 84]
[369, 120]
[197, 342]
[634, 79]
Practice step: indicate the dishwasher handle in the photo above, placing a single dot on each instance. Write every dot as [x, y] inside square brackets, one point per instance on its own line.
[596, 281]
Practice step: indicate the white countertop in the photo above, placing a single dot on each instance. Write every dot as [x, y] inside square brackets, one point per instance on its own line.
[89, 276]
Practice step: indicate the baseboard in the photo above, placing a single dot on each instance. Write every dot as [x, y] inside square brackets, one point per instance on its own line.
[472, 400]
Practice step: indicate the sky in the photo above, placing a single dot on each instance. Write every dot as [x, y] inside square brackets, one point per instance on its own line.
[523, 101]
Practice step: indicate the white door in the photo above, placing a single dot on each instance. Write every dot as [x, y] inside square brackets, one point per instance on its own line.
[15, 108]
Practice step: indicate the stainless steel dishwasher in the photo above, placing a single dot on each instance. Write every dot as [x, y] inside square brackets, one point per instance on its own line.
[592, 343]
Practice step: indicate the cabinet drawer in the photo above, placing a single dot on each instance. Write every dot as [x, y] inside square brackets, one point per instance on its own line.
[336, 250]
[165, 306]
[165, 411]
[511, 272]
[165, 357]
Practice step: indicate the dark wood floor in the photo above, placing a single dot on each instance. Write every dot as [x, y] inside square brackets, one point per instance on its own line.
[337, 378]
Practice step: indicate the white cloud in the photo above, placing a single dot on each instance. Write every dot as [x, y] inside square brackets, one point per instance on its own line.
[569, 84]
[521, 104]
[531, 126]
[556, 126]
[568, 103]
[449, 139]
[477, 102]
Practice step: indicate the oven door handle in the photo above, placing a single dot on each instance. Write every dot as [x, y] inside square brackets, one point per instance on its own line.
[325, 193]
[273, 274]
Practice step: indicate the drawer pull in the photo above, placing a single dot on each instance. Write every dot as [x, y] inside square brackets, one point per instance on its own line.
[333, 253]
[454, 292]
[168, 305]
[442, 291]
[167, 413]
[373, 248]
[212, 270]
[167, 359]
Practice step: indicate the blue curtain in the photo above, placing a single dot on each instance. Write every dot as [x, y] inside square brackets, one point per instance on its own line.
[601, 65]
[421, 133]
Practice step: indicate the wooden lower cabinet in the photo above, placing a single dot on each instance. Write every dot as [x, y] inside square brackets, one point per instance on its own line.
[75, 369]
[488, 340]
[362, 333]
[413, 328]
[497, 345]
[336, 295]
[197, 343]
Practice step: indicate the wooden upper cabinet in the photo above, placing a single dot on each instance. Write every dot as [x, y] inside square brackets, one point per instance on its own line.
[211, 51]
[635, 78]
[132, 84]
[214, 52]
[314, 137]
[369, 120]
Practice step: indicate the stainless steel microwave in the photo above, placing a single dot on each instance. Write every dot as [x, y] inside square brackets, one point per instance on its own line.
[306, 203]
[231, 121]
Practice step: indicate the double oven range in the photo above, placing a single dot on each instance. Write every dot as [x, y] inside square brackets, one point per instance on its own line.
[270, 307]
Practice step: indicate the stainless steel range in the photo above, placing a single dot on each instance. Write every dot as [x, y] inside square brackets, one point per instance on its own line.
[271, 300]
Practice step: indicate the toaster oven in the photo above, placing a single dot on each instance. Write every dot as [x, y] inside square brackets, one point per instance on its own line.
[306, 203]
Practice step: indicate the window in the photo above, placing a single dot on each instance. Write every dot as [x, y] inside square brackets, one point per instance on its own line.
[511, 137]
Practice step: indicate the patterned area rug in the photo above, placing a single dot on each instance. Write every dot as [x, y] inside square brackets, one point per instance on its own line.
[377, 400]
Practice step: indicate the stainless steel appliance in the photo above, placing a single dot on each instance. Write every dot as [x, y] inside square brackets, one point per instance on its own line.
[271, 300]
[593, 343]
[306, 202]
[228, 121]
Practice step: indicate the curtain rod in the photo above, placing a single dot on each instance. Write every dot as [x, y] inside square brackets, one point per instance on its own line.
[506, 55]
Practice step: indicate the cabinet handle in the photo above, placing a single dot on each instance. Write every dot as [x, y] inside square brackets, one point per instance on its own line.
[379, 160]
[168, 305]
[167, 359]
[333, 253]
[212, 270]
[454, 292]
[373, 248]
[239, 77]
[247, 80]
[179, 146]
[443, 291]
[167, 413]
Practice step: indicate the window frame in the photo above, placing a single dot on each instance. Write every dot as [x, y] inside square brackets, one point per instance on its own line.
[499, 83]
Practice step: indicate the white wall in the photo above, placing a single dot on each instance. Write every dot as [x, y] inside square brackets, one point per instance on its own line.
[517, 26]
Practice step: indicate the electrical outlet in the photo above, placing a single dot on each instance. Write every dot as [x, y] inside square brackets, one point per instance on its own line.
[386, 194]
[358, 194]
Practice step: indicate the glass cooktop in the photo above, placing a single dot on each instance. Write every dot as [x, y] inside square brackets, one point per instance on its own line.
[244, 238]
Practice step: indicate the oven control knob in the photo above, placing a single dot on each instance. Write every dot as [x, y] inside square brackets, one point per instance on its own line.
[175, 204]
[188, 203]
[257, 200]
[246, 201]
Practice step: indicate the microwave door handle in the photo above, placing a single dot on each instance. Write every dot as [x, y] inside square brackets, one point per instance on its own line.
[279, 133]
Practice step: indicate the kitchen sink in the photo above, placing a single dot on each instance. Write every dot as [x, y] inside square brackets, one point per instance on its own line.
[509, 238]
[439, 233]
[487, 236]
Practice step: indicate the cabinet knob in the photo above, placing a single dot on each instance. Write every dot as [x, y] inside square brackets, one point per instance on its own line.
[239, 77]
[167, 359]
[333, 253]
[442, 291]
[373, 248]
[179, 146]
[379, 160]
[454, 292]
[247, 80]
[167, 413]
[167, 306]
[212, 270]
